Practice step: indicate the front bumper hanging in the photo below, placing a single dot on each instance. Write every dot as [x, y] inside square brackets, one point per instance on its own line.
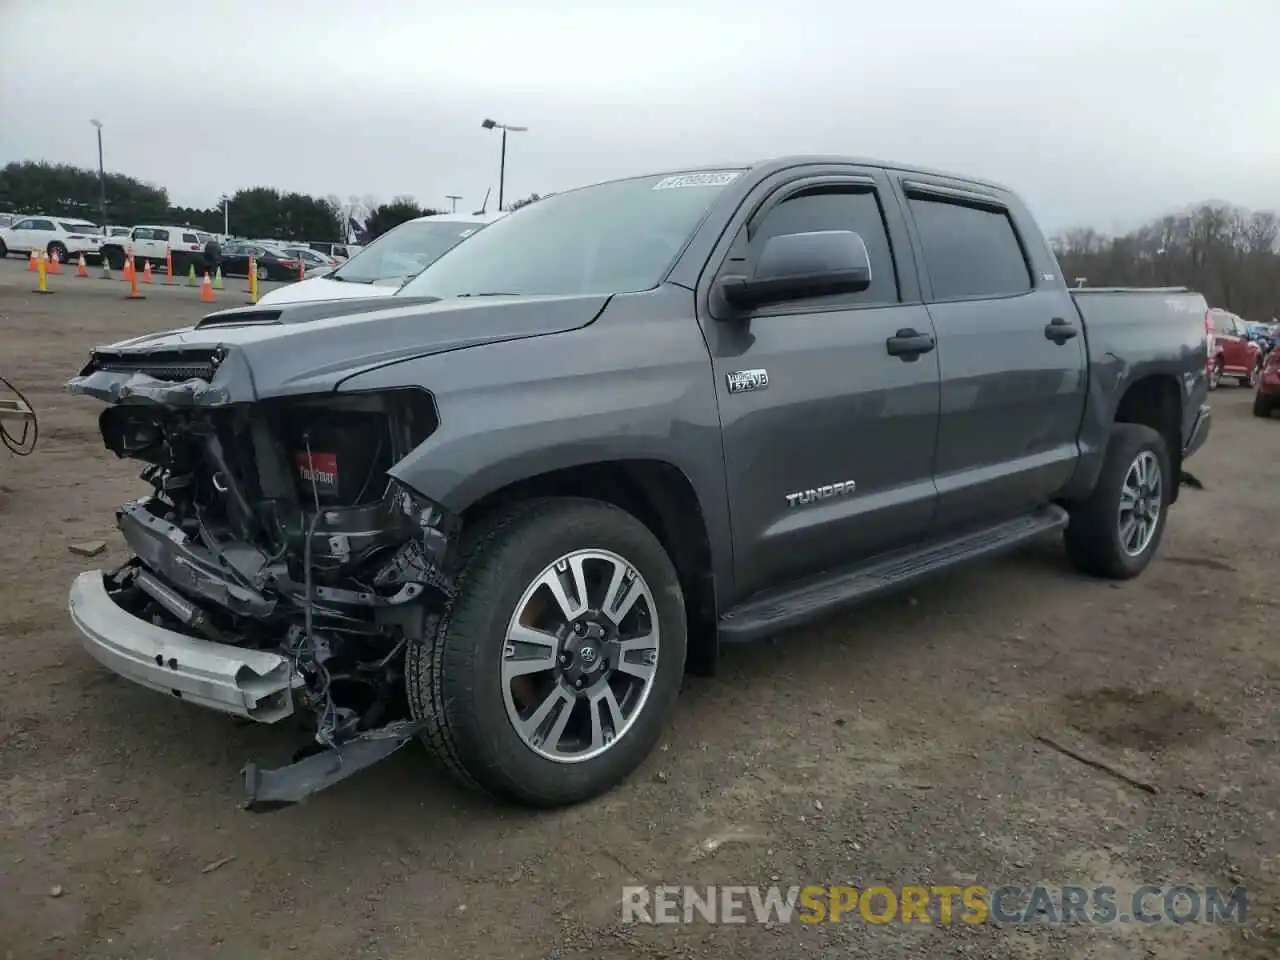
[253, 684]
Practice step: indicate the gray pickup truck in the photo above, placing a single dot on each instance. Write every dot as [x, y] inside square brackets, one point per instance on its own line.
[506, 510]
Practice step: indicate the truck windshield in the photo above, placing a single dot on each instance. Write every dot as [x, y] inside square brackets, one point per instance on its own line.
[615, 237]
[405, 250]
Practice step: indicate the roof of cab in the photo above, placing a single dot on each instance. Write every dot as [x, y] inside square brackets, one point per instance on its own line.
[774, 164]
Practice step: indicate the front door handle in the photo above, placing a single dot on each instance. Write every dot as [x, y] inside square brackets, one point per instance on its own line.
[1059, 331]
[909, 344]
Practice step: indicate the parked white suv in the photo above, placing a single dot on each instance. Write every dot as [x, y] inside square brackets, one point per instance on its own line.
[65, 236]
[149, 243]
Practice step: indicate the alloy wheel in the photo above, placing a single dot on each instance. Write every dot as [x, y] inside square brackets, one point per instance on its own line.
[580, 655]
[1141, 498]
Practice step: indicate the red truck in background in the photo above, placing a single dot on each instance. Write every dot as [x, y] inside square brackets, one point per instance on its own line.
[1231, 353]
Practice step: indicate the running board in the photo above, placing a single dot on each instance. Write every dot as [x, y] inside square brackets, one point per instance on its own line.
[812, 599]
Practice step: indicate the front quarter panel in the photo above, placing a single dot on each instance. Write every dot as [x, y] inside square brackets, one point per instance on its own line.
[635, 384]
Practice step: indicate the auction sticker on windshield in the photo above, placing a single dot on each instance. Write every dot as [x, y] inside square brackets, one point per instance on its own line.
[718, 179]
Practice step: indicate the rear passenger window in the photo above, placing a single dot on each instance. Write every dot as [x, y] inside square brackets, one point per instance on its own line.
[969, 251]
[851, 209]
[190, 238]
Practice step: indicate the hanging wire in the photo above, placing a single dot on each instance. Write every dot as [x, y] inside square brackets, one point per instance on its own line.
[20, 446]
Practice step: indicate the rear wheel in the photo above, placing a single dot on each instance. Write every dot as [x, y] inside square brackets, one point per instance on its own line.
[1262, 405]
[1116, 531]
[558, 665]
[1254, 372]
[262, 273]
[58, 249]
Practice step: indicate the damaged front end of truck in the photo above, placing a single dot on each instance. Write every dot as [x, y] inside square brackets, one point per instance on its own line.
[278, 569]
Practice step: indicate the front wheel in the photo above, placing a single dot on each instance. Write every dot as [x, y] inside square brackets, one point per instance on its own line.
[558, 664]
[4, 251]
[1262, 405]
[1117, 529]
[1215, 373]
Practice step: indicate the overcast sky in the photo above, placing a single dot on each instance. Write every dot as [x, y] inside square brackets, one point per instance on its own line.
[1103, 112]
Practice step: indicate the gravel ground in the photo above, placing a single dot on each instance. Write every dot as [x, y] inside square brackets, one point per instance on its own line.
[896, 744]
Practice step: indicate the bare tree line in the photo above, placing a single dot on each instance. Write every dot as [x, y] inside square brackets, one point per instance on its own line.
[1227, 253]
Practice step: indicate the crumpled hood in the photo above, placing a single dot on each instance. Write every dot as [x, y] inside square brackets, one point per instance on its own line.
[253, 353]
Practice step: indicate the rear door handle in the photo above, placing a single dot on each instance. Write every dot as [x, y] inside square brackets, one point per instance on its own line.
[909, 344]
[1059, 331]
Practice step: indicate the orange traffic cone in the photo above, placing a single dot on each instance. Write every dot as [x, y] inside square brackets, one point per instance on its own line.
[33, 263]
[146, 272]
[55, 263]
[206, 289]
[82, 268]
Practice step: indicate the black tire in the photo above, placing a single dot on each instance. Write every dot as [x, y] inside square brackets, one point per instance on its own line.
[59, 248]
[263, 273]
[453, 677]
[1262, 406]
[4, 251]
[1254, 372]
[1215, 373]
[1093, 534]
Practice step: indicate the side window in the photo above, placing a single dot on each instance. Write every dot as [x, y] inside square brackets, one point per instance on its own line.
[41, 225]
[970, 251]
[27, 224]
[190, 238]
[161, 235]
[143, 233]
[827, 209]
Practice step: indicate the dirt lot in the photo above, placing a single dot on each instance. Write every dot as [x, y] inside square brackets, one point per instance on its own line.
[893, 745]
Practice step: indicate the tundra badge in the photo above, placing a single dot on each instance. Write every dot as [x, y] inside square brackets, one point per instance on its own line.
[825, 492]
[740, 381]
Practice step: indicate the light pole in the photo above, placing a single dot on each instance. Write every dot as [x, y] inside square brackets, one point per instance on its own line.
[226, 216]
[453, 199]
[502, 163]
[102, 176]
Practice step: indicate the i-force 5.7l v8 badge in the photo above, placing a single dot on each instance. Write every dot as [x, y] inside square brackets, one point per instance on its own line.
[740, 381]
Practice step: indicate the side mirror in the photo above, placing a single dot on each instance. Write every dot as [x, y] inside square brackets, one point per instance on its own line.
[794, 266]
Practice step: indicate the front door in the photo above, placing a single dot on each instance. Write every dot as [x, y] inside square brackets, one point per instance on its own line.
[1011, 353]
[828, 439]
[23, 235]
[1237, 357]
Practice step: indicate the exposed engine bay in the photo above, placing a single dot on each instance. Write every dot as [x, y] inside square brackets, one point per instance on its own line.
[274, 526]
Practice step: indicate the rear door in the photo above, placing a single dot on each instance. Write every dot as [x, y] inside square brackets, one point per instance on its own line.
[1011, 352]
[40, 233]
[828, 439]
[160, 244]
